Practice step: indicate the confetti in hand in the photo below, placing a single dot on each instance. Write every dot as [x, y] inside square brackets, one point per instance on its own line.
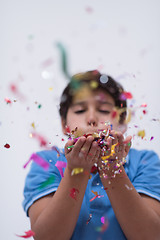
[28, 234]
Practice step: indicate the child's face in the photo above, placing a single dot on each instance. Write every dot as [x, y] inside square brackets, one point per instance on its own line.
[90, 111]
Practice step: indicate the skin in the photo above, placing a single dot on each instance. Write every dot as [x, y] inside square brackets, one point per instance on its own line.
[50, 213]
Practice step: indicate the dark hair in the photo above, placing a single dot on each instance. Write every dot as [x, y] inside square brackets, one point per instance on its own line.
[100, 81]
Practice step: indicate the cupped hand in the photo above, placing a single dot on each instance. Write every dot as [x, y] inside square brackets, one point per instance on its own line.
[83, 154]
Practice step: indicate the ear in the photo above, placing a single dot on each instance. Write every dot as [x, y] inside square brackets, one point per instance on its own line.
[63, 125]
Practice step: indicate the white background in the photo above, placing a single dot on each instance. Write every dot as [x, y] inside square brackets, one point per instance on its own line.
[118, 37]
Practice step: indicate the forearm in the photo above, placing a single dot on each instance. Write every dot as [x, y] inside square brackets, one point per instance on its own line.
[137, 220]
[58, 219]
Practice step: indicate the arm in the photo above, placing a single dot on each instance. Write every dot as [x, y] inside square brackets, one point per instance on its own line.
[55, 216]
[138, 215]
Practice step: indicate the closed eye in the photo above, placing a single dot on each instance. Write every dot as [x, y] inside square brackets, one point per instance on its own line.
[104, 111]
[79, 111]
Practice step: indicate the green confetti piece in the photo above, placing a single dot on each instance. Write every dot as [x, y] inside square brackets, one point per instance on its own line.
[49, 181]
[39, 106]
[70, 147]
[64, 62]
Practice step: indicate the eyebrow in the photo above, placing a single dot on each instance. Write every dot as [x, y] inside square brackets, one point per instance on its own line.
[84, 103]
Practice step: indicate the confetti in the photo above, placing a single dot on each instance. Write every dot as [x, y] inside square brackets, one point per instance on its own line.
[103, 220]
[7, 100]
[28, 234]
[33, 125]
[89, 219]
[151, 138]
[40, 138]
[70, 147]
[126, 95]
[73, 193]
[39, 160]
[60, 165]
[76, 171]
[49, 181]
[141, 133]
[103, 78]
[7, 145]
[63, 60]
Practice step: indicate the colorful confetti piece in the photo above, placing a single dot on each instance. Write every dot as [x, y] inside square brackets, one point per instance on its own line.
[39, 160]
[49, 181]
[60, 165]
[28, 234]
[7, 145]
[73, 193]
[76, 171]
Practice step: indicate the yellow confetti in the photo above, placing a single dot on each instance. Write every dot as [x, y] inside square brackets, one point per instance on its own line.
[76, 171]
[94, 84]
[33, 125]
[141, 133]
[112, 152]
[51, 89]
[95, 193]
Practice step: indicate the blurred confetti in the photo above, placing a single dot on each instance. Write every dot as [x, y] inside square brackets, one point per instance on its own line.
[28, 234]
[39, 160]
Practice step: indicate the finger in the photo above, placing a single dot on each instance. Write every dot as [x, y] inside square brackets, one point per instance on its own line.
[128, 144]
[87, 145]
[79, 144]
[68, 146]
[93, 150]
[113, 137]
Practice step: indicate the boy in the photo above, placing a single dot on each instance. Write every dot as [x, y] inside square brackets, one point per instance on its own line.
[120, 200]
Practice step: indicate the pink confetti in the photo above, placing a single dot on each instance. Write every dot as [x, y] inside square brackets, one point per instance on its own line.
[40, 138]
[126, 95]
[60, 165]
[28, 234]
[97, 196]
[39, 160]
[151, 138]
[73, 193]
[7, 100]
[143, 105]
[47, 62]
[103, 220]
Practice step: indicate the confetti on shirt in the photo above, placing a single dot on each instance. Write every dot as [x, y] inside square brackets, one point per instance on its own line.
[39, 160]
[28, 234]
[49, 181]
[73, 193]
[89, 219]
[60, 165]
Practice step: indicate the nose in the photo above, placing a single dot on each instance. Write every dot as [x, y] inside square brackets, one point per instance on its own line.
[92, 119]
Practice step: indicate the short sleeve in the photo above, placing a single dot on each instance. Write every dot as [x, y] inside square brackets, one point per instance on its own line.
[39, 181]
[147, 178]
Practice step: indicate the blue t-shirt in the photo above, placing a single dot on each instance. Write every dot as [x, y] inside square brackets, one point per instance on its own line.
[142, 168]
